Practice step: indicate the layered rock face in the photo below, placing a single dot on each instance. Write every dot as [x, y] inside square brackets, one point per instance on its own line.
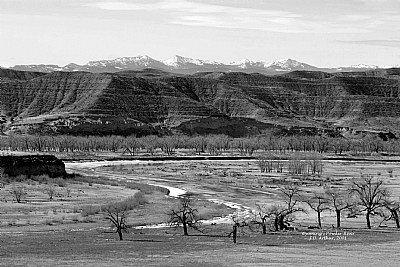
[161, 98]
[53, 93]
[33, 165]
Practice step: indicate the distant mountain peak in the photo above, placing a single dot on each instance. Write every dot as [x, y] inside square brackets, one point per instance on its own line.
[179, 61]
[186, 65]
[248, 64]
[287, 62]
[289, 65]
[176, 60]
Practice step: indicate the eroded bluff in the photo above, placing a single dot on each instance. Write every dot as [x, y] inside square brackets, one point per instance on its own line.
[158, 98]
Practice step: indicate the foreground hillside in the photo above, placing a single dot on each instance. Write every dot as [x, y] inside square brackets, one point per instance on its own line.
[152, 101]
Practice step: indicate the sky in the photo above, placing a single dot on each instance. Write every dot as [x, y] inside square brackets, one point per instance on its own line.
[323, 33]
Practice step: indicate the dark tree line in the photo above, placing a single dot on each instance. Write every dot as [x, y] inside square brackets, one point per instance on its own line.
[211, 145]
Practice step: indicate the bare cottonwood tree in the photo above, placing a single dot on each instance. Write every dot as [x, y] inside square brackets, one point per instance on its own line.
[239, 221]
[169, 144]
[340, 201]
[18, 192]
[184, 215]
[116, 214]
[370, 195]
[132, 145]
[199, 144]
[50, 190]
[393, 207]
[150, 143]
[283, 215]
[318, 203]
[261, 217]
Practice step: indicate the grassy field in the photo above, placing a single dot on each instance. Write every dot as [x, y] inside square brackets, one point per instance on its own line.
[169, 248]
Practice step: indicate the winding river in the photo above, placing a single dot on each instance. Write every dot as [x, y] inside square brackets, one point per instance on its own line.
[90, 168]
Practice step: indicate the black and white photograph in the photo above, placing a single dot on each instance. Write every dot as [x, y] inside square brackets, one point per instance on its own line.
[199, 133]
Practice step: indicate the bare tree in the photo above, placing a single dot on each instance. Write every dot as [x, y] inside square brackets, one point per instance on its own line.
[150, 143]
[261, 217]
[239, 221]
[370, 196]
[199, 143]
[283, 215]
[318, 203]
[18, 192]
[169, 144]
[50, 190]
[132, 145]
[184, 215]
[340, 201]
[393, 206]
[68, 191]
[116, 214]
[279, 218]
[266, 164]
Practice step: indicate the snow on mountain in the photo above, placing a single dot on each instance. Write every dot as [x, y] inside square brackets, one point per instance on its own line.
[247, 64]
[179, 61]
[38, 67]
[144, 61]
[288, 64]
[363, 66]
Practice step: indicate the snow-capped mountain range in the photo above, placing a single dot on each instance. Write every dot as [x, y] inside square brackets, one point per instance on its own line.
[186, 65]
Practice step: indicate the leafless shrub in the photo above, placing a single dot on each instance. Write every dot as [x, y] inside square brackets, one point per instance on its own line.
[68, 191]
[50, 190]
[18, 192]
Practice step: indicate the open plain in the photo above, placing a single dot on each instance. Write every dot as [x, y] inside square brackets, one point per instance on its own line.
[70, 230]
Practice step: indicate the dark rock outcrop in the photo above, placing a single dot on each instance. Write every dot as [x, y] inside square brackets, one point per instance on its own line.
[33, 165]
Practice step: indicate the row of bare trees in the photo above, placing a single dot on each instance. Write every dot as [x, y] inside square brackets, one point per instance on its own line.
[212, 145]
[297, 164]
[366, 196]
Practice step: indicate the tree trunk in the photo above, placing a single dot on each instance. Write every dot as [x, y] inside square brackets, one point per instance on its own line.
[396, 217]
[319, 219]
[276, 223]
[368, 220]
[234, 234]
[119, 231]
[338, 219]
[281, 222]
[185, 229]
[264, 228]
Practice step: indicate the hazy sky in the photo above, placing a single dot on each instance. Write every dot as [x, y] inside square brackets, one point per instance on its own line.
[318, 32]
